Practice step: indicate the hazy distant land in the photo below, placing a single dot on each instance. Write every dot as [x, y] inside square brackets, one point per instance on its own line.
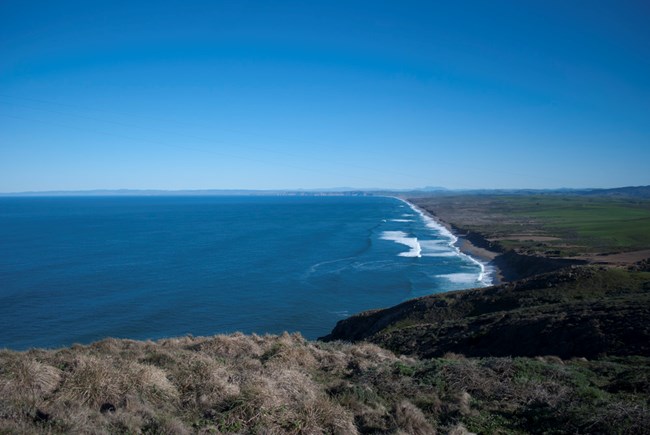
[628, 191]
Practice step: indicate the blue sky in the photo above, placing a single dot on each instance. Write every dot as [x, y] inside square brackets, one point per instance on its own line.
[241, 94]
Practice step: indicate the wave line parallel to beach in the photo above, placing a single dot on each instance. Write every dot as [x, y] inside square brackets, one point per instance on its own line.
[484, 276]
[415, 250]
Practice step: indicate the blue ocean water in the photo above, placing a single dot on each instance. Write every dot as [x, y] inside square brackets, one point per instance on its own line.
[78, 269]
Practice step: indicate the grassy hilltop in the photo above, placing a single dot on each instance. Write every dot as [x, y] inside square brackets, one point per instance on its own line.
[564, 349]
[285, 384]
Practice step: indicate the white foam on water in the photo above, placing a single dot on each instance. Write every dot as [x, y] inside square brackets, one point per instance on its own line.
[400, 220]
[328, 267]
[485, 274]
[436, 248]
[484, 277]
[372, 265]
[460, 278]
[401, 238]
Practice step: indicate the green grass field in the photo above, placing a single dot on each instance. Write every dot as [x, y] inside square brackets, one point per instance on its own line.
[592, 222]
[582, 224]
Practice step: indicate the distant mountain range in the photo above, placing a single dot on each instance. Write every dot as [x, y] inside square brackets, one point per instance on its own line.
[632, 191]
[625, 192]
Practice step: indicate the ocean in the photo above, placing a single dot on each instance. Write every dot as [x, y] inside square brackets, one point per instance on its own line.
[79, 269]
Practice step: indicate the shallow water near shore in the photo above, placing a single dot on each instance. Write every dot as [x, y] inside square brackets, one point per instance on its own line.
[78, 269]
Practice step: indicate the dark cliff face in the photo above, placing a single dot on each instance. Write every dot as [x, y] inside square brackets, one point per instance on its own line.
[514, 266]
[477, 239]
[577, 312]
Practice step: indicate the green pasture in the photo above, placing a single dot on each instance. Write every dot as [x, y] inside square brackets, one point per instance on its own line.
[598, 223]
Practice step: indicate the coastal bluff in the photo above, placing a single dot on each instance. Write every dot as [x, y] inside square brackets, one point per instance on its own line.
[576, 312]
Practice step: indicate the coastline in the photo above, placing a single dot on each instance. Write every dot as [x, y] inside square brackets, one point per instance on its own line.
[484, 258]
[502, 266]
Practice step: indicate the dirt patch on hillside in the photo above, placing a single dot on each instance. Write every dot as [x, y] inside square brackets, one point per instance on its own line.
[623, 258]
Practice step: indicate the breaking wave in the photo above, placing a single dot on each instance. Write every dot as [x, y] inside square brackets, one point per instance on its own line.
[415, 250]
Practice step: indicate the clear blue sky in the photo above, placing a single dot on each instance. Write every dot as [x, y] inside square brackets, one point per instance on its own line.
[242, 94]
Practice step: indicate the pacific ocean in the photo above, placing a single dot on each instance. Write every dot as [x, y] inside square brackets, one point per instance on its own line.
[79, 269]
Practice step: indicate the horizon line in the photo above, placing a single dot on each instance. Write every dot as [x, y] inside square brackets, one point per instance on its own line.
[332, 190]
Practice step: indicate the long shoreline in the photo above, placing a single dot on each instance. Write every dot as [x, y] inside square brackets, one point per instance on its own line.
[490, 273]
[501, 267]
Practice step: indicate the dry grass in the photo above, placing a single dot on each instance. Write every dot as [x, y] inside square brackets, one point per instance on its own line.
[226, 383]
[284, 384]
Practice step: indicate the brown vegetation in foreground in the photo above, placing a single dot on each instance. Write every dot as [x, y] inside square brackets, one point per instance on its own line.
[285, 384]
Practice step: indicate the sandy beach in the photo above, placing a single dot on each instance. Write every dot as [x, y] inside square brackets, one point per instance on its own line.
[480, 255]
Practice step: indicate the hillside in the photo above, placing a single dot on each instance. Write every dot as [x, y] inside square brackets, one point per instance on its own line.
[579, 312]
[285, 384]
